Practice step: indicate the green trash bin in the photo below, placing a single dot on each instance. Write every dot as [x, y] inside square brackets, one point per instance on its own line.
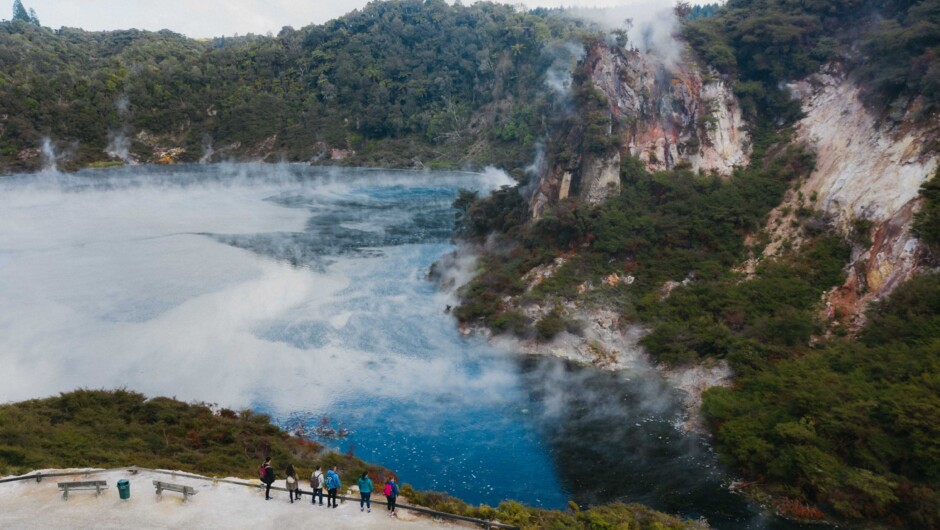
[124, 489]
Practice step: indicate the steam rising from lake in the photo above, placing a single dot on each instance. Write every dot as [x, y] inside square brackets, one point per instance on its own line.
[128, 280]
[302, 292]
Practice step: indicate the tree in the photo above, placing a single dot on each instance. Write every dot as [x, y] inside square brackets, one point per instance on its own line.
[682, 9]
[19, 12]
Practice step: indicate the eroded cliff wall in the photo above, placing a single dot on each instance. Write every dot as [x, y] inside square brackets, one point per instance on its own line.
[866, 181]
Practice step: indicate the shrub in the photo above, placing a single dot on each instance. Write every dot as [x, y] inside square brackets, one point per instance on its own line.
[927, 220]
[551, 325]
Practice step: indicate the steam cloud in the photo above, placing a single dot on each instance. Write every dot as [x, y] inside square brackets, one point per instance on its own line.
[119, 145]
[653, 27]
[207, 150]
[50, 160]
[123, 105]
[565, 57]
[107, 285]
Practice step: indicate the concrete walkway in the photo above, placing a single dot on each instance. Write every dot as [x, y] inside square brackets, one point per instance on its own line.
[28, 504]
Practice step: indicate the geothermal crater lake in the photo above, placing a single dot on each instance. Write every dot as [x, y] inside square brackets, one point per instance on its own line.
[302, 292]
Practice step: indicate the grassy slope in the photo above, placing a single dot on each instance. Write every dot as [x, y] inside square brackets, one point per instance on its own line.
[122, 428]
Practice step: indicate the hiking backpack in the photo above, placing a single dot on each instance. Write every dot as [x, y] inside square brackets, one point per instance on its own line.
[389, 489]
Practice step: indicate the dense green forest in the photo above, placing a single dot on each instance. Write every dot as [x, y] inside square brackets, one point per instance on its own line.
[400, 83]
[97, 428]
[852, 425]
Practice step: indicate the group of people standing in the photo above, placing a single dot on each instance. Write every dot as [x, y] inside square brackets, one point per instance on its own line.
[331, 482]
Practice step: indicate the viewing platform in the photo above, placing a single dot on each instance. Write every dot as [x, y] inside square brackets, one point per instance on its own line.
[220, 503]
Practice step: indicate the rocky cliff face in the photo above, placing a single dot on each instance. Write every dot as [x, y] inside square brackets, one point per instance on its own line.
[867, 180]
[667, 115]
[674, 114]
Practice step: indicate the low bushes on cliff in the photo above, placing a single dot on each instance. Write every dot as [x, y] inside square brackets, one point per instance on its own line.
[927, 220]
[615, 515]
[769, 316]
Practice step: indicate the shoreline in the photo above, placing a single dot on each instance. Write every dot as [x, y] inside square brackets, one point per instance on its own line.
[607, 344]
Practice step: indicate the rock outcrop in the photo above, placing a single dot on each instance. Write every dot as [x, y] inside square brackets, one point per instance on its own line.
[667, 115]
[675, 114]
[600, 178]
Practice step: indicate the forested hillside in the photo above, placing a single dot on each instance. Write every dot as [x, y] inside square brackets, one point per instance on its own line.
[823, 419]
[399, 83]
[893, 47]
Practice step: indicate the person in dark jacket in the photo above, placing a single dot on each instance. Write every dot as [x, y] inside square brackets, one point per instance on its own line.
[267, 477]
[293, 483]
[391, 494]
[365, 491]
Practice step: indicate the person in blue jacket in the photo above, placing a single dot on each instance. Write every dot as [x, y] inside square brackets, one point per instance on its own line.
[365, 491]
[332, 485]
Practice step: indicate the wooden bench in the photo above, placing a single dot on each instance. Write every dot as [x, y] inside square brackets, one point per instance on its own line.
[96, 485]
[179, 488]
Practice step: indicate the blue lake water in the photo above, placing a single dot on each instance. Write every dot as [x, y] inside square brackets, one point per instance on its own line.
[303, 292]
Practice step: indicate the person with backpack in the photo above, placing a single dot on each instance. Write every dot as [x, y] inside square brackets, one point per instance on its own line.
[293, 483]
[332, 485]
[365, 491]
[391, 495]
[316, 484]
[266, 474]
